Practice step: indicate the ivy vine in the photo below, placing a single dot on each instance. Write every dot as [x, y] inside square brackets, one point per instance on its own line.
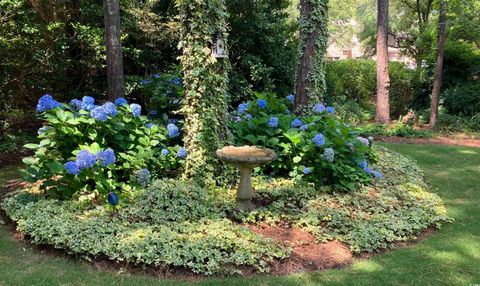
[314, 28]
[205, 81]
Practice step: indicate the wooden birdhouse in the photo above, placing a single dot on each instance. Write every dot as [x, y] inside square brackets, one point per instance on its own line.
[219, 49]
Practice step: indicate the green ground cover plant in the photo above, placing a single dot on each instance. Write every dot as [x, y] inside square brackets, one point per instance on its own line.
[179, 224]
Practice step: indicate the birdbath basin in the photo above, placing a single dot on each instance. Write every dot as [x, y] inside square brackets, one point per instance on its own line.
[245, 158]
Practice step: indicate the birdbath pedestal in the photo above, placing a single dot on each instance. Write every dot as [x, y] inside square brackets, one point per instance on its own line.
[245, 158]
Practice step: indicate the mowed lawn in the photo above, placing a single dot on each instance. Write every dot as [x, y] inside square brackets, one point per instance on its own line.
[450, 256]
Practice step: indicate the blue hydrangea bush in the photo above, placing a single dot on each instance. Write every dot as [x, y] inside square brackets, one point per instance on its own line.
[163, 95]
[317, 148]
[86, 147]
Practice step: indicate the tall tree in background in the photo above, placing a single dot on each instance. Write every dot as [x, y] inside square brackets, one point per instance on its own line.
[116, 84]
[311, 86]
[437, 83]
[383, 81]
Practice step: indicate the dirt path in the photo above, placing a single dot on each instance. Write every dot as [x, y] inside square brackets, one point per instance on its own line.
[438, 140]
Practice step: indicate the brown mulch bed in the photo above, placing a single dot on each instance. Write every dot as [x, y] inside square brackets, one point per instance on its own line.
[307, 254]
[438, 140]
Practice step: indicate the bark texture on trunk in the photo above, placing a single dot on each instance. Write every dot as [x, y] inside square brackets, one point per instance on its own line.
[116, 84]
[311, 86]
[383, 81]
[437, 83]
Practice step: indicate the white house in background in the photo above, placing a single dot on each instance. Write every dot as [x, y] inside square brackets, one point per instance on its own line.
[354, 51]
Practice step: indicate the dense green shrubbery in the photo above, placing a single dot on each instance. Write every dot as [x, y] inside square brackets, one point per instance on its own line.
[463, 99]
[86, 148]
[162, 95]
[176, 223]
[396, 129]
[354, 80]
[318, 148]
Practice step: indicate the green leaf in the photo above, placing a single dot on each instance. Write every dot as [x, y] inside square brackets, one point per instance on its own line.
[31, 146]
[29, 160]
[55, 167]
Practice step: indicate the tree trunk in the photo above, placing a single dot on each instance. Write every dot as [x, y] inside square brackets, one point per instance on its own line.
[383, 81]
[437, 83]
[311, 86]
[116, 84]
[205, 81]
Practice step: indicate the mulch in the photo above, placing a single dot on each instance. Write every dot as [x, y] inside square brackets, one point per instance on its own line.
[438, 140]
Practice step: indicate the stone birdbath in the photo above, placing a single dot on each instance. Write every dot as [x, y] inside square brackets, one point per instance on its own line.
[245, 158]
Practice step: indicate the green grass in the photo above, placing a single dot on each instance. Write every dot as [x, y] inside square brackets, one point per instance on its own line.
[451, 256]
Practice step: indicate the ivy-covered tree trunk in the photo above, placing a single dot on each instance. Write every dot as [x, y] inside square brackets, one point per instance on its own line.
[205, 81]
[311, 86]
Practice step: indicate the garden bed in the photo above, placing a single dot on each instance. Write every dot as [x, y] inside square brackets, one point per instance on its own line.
[176, 225]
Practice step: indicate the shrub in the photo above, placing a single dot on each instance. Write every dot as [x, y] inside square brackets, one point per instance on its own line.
[463, 99]
[85, 148]
[317, 148]
[162, 94]
[354, 80]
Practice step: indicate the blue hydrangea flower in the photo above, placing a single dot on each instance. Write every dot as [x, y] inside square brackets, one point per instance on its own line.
[319, 108]
[42, 130]
[153, 112]
[176, 81]
[262, 103]
[136, 109]
[368, 170]
[173, 130]
[113, 199]
[149, 125]
[363, 164]
[155, 75]
[182, 153]
[377, 174]
[106, 157]
[165, 152]
[304, 127]
[46, 103]
[363, 140]
[72, 168]
[143, 177]
[99, 113]
[88, 103]
[85, 160]
[346, 124]
[248, 116]
[296, 123]
[329, 154]
[172, 120]
[110, 109]
[330, 110]
[145, 81]
[273, 122]
[319, 140]
[77, 104]
[120, 101]
[242, 107]
[306, 171]
[290, 97]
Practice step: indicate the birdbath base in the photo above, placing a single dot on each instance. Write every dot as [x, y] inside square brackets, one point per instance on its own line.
[245, 190]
